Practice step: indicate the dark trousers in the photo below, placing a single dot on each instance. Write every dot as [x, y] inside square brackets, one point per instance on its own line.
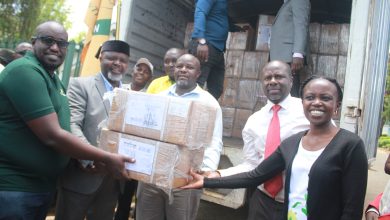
[24, 205]
[296, 85]
[263, 207]
[124, 200]
[212, 71]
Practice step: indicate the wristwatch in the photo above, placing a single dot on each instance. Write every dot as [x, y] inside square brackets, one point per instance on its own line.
[202, 41]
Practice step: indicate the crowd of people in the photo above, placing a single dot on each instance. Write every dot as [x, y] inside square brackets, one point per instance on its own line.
[302, 165]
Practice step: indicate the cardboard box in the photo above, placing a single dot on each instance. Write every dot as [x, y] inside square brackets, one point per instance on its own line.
[264, 26]
[241, 40]
[165, 165]
[169, 119]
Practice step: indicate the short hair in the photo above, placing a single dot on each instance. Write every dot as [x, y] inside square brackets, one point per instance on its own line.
[6, 56]
[22, 48]
[330, 79]
[281, 64]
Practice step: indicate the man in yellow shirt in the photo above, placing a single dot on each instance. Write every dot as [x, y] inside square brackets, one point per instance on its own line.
[163, 83]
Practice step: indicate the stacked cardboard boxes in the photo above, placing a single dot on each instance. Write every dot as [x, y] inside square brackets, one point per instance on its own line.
[247, 52]
[166, 135]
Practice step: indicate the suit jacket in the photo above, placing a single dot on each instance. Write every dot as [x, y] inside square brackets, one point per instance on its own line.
[290, 31]
[337, 179]
[88, 110]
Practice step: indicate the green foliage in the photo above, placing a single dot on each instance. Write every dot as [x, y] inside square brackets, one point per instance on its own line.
[386, 102]
[19, 18]
[384, 142]
[79, 38]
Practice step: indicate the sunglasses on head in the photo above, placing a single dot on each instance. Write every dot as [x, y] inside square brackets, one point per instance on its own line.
[49, 41]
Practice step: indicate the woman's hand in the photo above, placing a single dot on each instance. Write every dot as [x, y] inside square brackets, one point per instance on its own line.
[196, 182]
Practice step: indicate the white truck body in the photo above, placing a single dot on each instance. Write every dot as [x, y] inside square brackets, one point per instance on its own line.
[153, 26]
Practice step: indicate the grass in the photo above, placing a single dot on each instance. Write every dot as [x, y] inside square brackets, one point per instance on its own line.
[384, 142]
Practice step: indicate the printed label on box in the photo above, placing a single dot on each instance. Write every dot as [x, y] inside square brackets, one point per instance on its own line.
[265, 34]
[179, 109]
[142, 153]
[145, 113]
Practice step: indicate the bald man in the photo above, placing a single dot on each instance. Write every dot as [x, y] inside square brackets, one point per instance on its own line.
[153, 203]
[36, 142]
[163, 83]
[276, 81]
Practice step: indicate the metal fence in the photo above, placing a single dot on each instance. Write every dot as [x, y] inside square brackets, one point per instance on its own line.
[71, 66]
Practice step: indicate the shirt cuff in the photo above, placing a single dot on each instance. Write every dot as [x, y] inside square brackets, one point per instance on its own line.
[299, 55]
[372, 210]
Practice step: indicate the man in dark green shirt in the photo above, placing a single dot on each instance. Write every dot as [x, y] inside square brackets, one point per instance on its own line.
[34, 128]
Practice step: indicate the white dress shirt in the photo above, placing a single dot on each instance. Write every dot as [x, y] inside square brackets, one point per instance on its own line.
[292, 120]
[213, 152]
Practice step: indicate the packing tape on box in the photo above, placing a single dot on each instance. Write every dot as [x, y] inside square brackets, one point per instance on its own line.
[169, 119]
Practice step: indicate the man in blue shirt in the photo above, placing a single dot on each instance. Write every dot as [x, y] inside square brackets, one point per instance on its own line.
[211, 27]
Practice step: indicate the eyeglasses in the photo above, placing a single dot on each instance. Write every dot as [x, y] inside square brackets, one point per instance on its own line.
[49, 41]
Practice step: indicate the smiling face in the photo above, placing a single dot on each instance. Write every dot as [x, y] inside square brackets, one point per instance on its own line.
[49, 45]
[141, 75]
[320, 101]
[187, 72]
[113, 65]
[276, 81]
[170, 59]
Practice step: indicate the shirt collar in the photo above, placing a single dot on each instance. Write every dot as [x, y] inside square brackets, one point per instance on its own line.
[108, 85]
[284, 104]
[172, 91]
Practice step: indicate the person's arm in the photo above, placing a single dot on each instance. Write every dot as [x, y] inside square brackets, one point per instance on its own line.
[212, 153]
[301, 20]
[354, 180]
[37, 111]
[371, 214]
[48, 130]
[252, 156]
[202, 9]
[78, 105]
[387, 165]
[78, 98]
[372, 211]
[270, 167]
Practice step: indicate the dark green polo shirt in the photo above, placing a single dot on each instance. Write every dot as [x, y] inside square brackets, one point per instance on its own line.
[28, 92]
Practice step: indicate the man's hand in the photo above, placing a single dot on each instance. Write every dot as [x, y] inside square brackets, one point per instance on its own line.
[115, 164]
[195, 183]
[296, 65]
[213, 174]
[202, 52]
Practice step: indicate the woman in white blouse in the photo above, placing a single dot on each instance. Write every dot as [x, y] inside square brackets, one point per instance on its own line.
[326, 167]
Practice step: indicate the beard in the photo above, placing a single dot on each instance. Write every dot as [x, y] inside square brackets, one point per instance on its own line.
[114, 77]
[182, 83]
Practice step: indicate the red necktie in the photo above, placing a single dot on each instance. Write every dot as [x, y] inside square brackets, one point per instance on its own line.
[274, 185]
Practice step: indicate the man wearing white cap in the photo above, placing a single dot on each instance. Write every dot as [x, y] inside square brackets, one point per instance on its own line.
[86, 189]
[142, 75]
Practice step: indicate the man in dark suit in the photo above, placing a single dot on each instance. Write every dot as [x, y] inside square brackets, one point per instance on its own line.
[86, 188]
[290, 37]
